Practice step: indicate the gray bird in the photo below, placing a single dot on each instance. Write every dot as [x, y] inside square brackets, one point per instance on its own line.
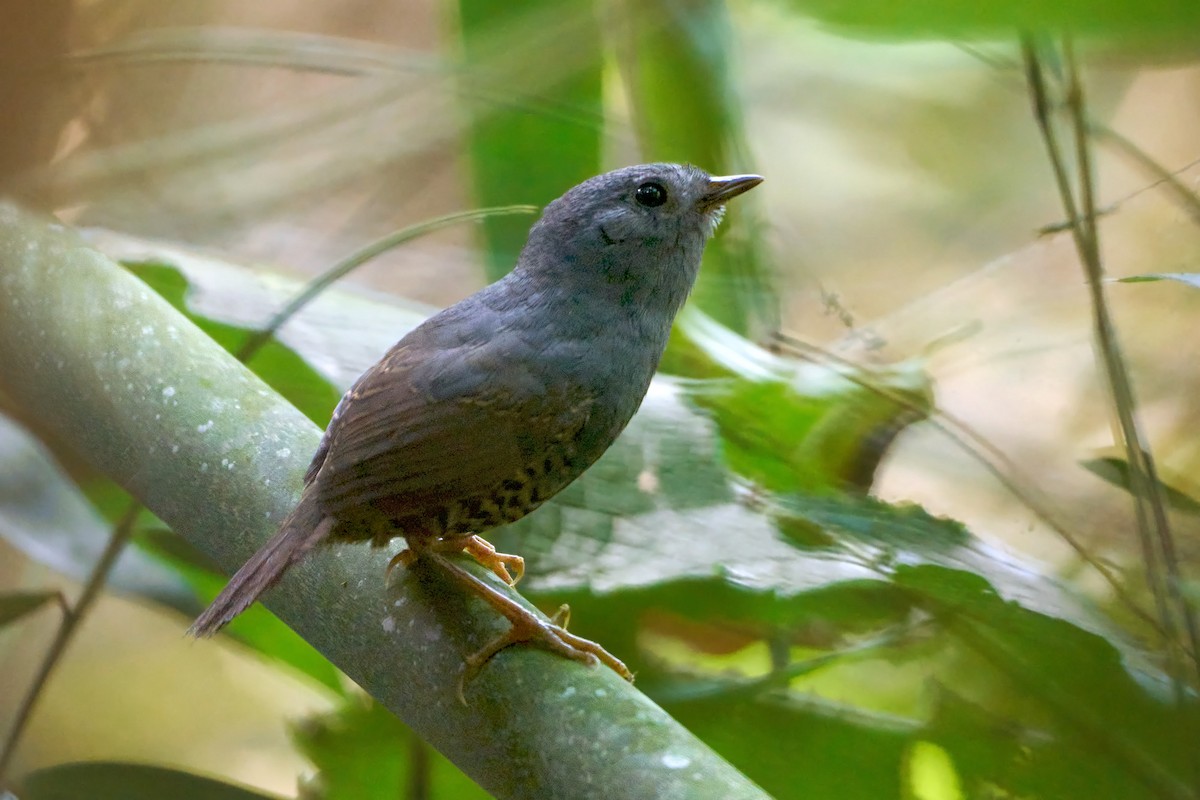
[491, 407]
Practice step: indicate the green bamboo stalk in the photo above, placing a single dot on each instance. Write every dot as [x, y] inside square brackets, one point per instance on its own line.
[130, 385]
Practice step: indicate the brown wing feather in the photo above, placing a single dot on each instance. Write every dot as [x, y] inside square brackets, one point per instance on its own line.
[391, 439]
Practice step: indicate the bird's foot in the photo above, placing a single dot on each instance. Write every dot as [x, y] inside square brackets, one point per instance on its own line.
[476, 546]
[526, 626]
[485, 553]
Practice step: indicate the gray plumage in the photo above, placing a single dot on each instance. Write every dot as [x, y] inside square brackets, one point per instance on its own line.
[492, 406]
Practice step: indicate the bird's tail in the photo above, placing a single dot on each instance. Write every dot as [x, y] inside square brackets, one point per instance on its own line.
[302, 529]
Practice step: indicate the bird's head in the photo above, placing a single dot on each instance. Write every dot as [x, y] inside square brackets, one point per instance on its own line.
[635, 234]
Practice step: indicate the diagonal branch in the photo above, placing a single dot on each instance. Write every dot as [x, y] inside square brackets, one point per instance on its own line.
[134, 388]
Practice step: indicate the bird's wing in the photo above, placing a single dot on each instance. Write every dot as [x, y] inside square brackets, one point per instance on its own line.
[418, 429]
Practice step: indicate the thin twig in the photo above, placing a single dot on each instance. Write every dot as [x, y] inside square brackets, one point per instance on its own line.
[1120, 384]
[1179, 190]
[1155, 536]
[1104, 134]
[72, 616]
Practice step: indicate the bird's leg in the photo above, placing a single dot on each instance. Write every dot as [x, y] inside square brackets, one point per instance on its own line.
[476, 546]
[526, 627]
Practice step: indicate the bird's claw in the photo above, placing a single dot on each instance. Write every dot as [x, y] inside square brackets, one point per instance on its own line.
[550, 635]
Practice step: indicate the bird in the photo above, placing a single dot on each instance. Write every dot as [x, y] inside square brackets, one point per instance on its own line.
[489, 408]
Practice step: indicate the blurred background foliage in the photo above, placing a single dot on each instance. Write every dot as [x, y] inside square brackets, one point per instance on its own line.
[890, 553]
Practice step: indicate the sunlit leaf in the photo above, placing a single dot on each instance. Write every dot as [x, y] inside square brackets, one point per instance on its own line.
[795, 749]
[1118, 715]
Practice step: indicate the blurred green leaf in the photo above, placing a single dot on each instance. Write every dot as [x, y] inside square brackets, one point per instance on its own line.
[1117, 20]
[674, 56]
[15, 605]
[1115, 470]
[339, 334]
[786, 437]
[887, 536]
[536, 122]
[104, 780]
[658, 525]
[1118, 716]
[798, 749]
[362, 751]
[1065, 712]
[993, 752]
[790, 425]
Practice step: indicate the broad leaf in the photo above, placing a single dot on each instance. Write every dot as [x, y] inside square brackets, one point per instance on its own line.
[105, 780]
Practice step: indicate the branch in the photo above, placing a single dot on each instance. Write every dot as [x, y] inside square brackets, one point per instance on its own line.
[133, 387]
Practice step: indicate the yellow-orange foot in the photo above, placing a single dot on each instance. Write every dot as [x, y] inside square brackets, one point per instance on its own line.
[477, 547]
[485, 553]
[526, 627]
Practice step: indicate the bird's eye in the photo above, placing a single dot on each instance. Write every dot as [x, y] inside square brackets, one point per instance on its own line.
[651, 194]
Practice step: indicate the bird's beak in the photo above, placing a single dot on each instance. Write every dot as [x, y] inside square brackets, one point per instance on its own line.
[722, 189]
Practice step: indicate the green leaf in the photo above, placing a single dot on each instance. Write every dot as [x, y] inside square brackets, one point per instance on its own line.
[1115, 470]
[15, 605]
[886, 535]
[789, 425]
[1085, 690]
[362, 751]
[103, 780]
[675, 60]
[536, 120]
[992, 751]
[1189, 278]
[1116, 20]
[339, 334]
[798, 749]
[658, 525]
